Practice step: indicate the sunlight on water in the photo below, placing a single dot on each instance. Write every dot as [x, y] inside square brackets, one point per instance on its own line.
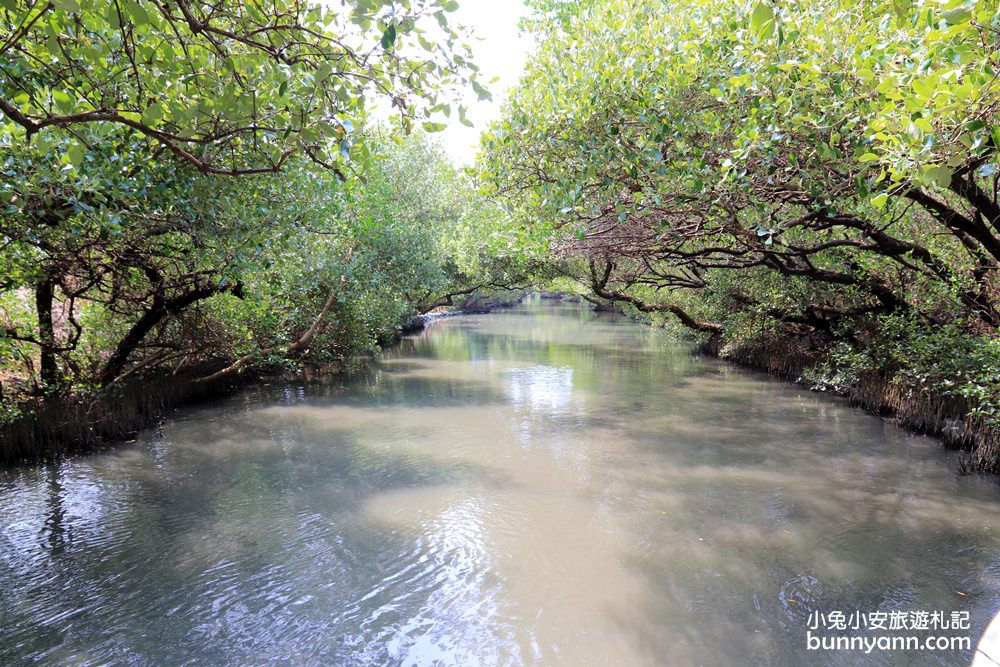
[538, 486]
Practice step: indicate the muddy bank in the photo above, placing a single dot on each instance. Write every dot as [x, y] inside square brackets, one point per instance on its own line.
[49, 430]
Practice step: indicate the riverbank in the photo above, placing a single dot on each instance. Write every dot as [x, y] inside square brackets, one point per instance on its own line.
[47, 430]
[84, 422]
[473, 306]
[909, 400]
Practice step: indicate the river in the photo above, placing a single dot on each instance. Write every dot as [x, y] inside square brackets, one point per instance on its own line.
[543, 485]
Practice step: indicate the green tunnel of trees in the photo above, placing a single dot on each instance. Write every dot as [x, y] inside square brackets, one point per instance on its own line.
[196, 189]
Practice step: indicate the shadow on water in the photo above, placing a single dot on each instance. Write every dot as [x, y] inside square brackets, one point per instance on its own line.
[790, 504]
[539, 486]
[188, 519]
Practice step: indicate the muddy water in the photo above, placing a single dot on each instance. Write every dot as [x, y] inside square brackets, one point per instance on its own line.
[541, 486]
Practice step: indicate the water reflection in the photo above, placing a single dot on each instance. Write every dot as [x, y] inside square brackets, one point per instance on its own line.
[541, 389]
[540, 486]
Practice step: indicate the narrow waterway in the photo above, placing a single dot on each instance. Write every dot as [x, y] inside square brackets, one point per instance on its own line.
[538, 486]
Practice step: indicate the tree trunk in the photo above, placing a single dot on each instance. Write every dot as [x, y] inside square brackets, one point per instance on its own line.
[48, 365]
[156, 313]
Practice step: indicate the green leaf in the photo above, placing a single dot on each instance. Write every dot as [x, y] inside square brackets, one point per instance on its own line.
[482, 92]
[957, 16]
[868, 157]
[879, 200]
[323, 73]
[461, 117]
[762, 20]
[62, 100]
[434, 127]
[152, 115]
[938, 175]
[111, 14]
[389, 37]
[67, 5]
[76, 153]
[923, 87]
[137, 12]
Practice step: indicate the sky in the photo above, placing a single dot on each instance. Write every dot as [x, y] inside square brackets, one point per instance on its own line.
[500, 52]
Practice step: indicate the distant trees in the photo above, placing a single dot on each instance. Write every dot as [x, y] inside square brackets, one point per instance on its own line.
[807, 170]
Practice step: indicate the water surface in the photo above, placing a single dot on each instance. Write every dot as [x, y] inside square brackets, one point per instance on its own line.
[539, 486]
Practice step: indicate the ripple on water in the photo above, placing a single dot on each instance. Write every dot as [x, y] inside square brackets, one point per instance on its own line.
[538, 487]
